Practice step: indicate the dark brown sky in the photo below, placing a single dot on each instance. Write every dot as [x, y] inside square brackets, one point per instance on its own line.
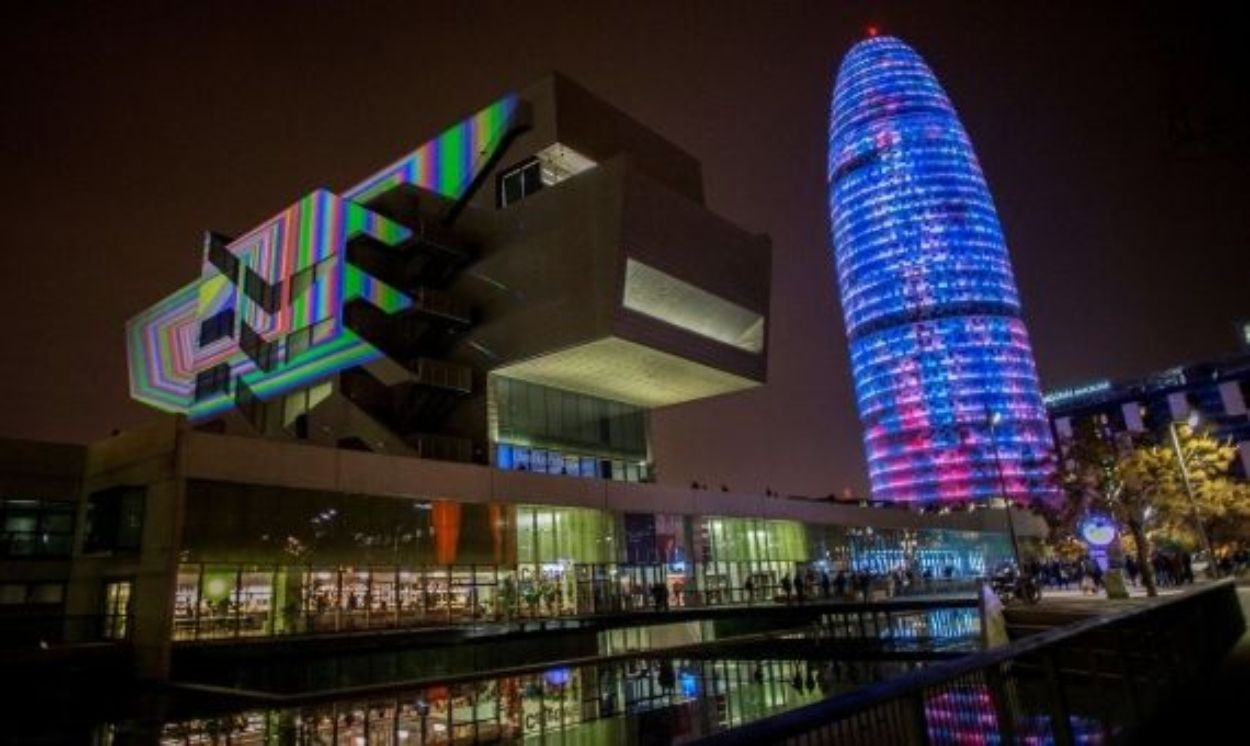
[1115, 143]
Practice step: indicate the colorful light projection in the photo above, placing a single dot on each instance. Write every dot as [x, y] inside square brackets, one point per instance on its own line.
[161, 343]
[938, 347]
[310, 239]
[448, 163]
[303, 247]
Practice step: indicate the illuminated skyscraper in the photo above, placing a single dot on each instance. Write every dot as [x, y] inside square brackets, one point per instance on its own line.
[944, 374]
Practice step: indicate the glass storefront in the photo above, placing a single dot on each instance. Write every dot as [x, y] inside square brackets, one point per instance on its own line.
[267, 561]
[550, 431]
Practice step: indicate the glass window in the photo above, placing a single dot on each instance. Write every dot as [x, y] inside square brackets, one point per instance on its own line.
[523, 459]
[215, 380]
[520, 182]
[324, 329]
[116, 610]
[503, 456]
[47, 593]
[255, 602]
[298, 342]
[265, 295]
[12, 594]
[114, 520]
[300, 282]
[217, 326]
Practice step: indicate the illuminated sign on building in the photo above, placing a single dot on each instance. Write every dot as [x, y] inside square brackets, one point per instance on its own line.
[1076, 392]
[938, 347]
[1098, 530]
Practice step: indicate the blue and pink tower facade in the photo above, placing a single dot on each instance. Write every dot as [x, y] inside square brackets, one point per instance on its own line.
[944, 374]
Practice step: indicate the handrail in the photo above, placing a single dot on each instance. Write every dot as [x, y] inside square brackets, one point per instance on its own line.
[793, 722]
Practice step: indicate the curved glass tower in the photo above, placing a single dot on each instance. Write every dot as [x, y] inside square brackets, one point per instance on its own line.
[944, 376]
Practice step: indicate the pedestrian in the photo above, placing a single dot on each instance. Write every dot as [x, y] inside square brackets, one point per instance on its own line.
[785, 587]
[824, 583]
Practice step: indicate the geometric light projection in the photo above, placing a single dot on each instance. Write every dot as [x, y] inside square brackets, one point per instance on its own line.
[945, 380]
[265, 316]
[160, 346]
[448, 163]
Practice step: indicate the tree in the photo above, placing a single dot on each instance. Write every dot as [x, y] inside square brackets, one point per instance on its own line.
[1224, 507]
[1222, 503]
[1102, 474]
[1138, 480]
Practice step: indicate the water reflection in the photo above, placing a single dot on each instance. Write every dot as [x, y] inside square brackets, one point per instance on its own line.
[845, 633]
[970, 716]
[641, 700]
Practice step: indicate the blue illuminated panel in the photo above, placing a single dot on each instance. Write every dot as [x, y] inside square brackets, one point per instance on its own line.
[928, 297]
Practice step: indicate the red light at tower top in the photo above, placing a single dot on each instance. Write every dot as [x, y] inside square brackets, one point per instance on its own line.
[871, 31]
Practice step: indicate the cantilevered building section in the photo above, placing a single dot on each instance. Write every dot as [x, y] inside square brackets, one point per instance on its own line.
[944, 374]
[519, 290]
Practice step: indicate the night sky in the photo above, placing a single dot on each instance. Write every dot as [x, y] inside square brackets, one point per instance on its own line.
[1114, 140]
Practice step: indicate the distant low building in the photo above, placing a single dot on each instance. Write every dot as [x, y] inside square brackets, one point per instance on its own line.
[1216, 391]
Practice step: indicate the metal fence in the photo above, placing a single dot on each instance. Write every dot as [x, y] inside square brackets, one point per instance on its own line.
[1092, 682]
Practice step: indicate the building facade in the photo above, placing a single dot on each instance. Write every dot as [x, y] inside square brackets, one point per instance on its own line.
[944, 374]
[186, 535]
[519, 290]
[1215, 393]
[424, 400]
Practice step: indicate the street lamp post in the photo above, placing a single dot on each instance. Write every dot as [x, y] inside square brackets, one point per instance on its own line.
[994, 418]
[1189, 492]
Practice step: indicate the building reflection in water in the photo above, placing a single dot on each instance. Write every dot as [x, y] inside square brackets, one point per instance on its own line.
[673, 699]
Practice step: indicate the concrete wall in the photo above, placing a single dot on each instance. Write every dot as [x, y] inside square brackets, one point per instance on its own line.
[149, 457]
[252, 461]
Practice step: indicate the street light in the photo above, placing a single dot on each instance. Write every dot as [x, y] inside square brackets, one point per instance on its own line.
[1192, 421]
[994, 418]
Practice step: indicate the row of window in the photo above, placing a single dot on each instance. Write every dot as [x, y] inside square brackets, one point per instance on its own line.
[31, 594]
[547, 461]
[36, 528]
[230, 600]
[216, 380]
[569, 421]
[267, 296]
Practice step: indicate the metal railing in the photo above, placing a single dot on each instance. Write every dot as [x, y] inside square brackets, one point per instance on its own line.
[1092, 682]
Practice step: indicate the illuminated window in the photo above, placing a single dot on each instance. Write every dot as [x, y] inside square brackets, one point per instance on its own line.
[550, 166]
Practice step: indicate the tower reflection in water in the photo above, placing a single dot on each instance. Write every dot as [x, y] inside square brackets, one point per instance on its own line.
[967, 715]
